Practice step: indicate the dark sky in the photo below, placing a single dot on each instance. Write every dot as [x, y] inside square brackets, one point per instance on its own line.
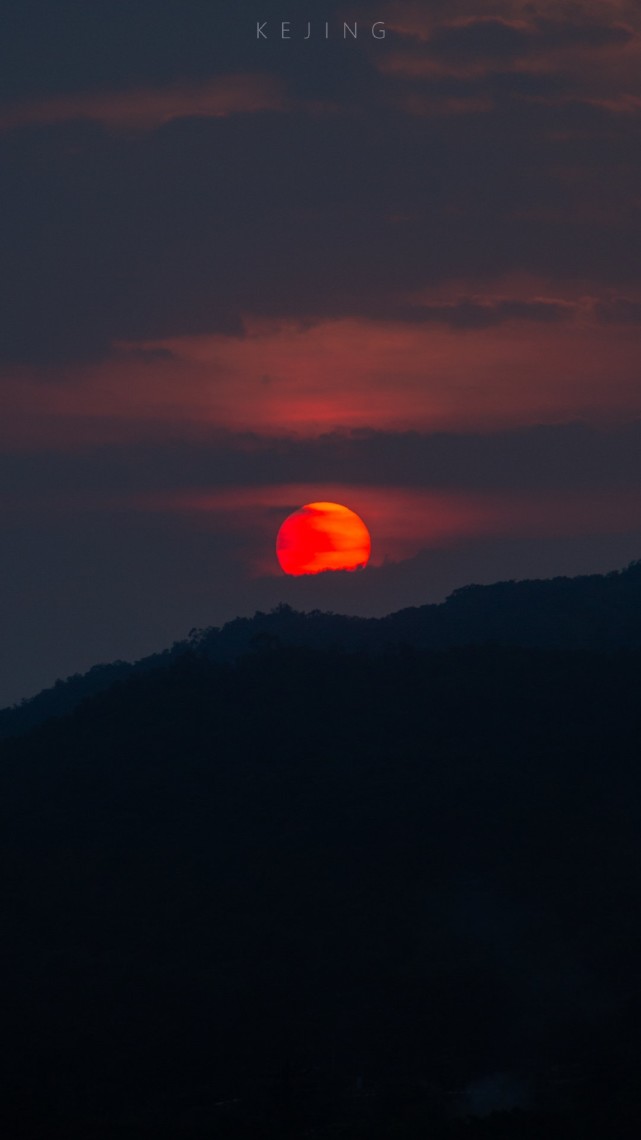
[238, 276]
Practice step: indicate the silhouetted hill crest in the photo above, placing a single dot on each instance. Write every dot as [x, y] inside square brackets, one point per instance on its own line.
[599, 611]
[250, 880]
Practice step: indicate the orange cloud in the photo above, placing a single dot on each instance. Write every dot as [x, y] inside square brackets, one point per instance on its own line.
[145, 109]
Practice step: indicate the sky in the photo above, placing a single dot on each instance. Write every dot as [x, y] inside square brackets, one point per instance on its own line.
[240, 274]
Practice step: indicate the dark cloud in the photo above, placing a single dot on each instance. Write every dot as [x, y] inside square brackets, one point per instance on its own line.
[485, 39]
[143, 109]
[564, 457]
[499, 40]
[200, 221]
[565, 33]
[71, 46]
[466, 313]
[190, 228]
[472, 314]
[619, 311]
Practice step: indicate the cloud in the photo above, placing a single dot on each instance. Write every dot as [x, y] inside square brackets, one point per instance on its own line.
[403, 517]
[578, 51]
[146, 109]
[403, 520]
[498, 40]
[519, 362]
[468, 313]
[538, 460]
[480, 39]
[440, 363]
[619, 311]
[185, 230]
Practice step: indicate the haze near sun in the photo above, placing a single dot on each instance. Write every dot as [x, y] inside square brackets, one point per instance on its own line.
[322, 536]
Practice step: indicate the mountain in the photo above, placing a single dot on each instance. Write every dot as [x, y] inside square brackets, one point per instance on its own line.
[351, 889]
[592, 612]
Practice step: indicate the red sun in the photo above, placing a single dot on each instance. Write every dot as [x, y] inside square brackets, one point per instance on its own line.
[322, 536]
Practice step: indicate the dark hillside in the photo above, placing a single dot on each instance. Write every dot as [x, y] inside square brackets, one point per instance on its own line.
[319, 893]
[591, 612]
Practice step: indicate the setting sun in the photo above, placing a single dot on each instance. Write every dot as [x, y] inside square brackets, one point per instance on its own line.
[322, 536]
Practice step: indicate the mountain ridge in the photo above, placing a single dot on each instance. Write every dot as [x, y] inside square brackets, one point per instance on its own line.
[597, 611]
[245, 887]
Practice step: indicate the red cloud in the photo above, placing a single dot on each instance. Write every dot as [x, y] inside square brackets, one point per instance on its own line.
[468, 361]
